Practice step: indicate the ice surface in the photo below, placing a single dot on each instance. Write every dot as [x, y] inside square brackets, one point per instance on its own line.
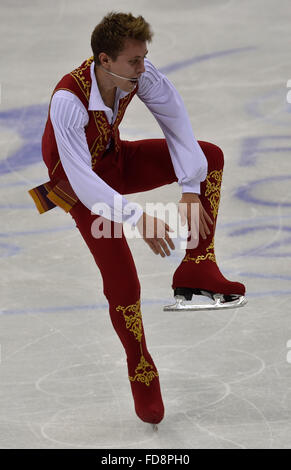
[225, 377]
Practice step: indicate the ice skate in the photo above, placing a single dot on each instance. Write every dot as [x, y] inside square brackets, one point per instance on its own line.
[198, 273]
[220, 301]
[203, 278]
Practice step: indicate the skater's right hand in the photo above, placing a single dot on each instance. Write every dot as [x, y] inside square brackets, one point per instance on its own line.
[154, 231]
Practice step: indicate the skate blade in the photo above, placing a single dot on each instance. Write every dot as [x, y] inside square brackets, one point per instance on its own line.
[155, 427]
[219, 304]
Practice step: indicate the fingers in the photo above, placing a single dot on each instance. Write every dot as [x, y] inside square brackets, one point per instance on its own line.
[159, 245]
[204, 221]
[183, 213]
[169, 241]
[164, 247]
[156, 246]
[207, 217]
[159, 241]
[152, 247]
[162, 239]
[203, 228]
[167, 236]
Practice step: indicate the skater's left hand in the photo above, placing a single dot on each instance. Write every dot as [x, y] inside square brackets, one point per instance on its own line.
[194, 218]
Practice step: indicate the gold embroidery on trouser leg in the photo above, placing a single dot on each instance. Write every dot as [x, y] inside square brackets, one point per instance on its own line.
[134, 321]
[213, 190]
[197, 259]
[143, 372]
[213, 195]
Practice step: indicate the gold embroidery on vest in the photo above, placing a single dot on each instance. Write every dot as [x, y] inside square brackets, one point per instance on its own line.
[94, 152]
[104, 131]
[123, 103]
[134, 324]
[78, 75]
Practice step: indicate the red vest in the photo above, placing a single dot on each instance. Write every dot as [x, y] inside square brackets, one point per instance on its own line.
[58, 191]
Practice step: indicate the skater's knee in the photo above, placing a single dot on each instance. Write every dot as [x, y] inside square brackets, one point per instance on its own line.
[120, 291]
[213, 154]
[218, 152]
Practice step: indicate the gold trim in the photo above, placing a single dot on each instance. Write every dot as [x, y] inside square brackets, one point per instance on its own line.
[142, 374]
[66, 194]
[212, 193]
[134, 324]
[56, 166]
[213, 190]
[104, 129]
[36, 200]
[209, 256]
[78, 75]
[59, 201]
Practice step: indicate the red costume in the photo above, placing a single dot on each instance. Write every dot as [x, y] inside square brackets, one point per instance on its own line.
[131, 167]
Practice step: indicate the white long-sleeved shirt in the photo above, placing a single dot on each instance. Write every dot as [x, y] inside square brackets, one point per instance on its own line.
[69, 117]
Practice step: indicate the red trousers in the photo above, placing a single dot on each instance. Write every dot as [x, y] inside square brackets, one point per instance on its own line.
[139, 166]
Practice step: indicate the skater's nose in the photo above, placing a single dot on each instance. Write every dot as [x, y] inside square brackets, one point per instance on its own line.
[141, 68]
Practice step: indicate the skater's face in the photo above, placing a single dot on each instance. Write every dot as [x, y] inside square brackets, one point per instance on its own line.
[129, 64]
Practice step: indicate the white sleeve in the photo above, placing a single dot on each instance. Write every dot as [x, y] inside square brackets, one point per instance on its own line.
[68, 117]
[165, 103]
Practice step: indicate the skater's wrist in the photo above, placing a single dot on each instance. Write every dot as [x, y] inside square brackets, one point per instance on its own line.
[189, 197]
